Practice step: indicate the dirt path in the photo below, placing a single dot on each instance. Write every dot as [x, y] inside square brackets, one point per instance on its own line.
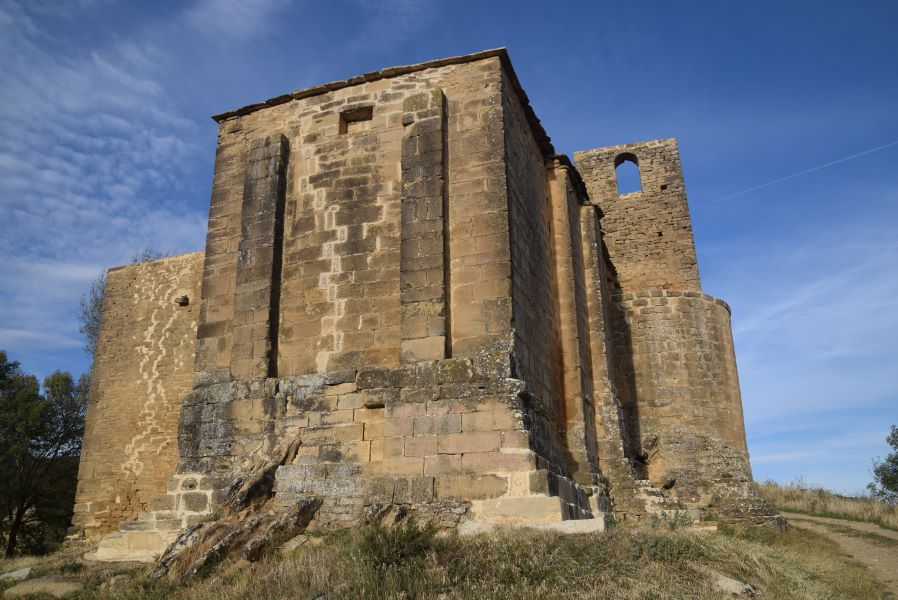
[867, 543]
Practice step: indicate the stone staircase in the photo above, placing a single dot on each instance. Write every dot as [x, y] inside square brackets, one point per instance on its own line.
[187, 501]
[569, 508]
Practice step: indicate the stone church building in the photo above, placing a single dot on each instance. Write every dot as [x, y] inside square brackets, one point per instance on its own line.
[408, 298]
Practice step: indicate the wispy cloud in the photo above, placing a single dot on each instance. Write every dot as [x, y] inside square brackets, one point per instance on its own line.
[825, 165]
[814, 325]
[91, 159]
[67, 9]
[388, 22]
[236, 19]
[836, 453]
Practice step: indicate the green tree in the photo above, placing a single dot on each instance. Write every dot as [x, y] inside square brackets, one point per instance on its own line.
[885, 472]
[89, 311]
[40, 441]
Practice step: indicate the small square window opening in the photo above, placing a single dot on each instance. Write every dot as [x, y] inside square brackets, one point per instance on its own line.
[357, 119]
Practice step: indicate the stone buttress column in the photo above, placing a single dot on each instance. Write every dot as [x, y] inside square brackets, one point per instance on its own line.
[573, 328]
[611, 435]
[423, 272]
[256, 297]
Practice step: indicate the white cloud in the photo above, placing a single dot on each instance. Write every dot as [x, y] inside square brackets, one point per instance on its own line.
[389, 22]
[92, 160]
[814, 323]
[237, 19]
[54, 8]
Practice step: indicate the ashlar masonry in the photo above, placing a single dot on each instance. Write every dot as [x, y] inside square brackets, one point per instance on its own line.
[408, 298]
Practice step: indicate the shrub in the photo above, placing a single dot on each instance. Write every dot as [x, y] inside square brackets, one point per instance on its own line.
[71, 568]
[384, 548]
[671, 520]
[665, 548]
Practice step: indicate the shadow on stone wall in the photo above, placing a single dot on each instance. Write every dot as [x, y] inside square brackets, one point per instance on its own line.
[623, 374]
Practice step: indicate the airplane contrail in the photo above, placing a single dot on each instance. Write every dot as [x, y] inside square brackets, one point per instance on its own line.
[811, 170]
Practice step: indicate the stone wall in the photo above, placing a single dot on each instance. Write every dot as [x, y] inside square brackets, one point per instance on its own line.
[408, 299]
[424, 265]
[648, 234]
[340, 303]
[537, 339]
[143, 368]
[394, 337]
[442, 437]
[219, 277]
[676, 372]
[671, 397]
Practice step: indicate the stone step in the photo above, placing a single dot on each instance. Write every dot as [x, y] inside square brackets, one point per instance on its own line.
[574, 526]
[132, 546]
[538, 508]
[45, 586]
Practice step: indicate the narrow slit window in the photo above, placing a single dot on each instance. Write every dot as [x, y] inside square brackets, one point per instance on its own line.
[626, 167]
[357, 119]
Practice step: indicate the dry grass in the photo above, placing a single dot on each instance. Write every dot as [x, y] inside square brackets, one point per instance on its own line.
[801, 498]
[67, 563]
[625, 562]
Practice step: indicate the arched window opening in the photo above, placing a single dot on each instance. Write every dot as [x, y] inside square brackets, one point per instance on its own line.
[626, 167]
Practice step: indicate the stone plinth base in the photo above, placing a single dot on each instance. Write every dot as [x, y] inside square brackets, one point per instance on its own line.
[132, 546]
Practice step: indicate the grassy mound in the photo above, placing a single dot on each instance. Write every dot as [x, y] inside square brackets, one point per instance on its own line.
[625, 562]
[801, 498]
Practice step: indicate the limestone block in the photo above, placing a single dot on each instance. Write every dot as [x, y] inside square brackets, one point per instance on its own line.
[17, 575]
[442, 464]
[57, 588]
[470, 487]
[138, 546]
[347, 432]
[457, 443]
[374, 430]
[529, 509]
[403, 465]
[496, 420]
[497, 461]
[423, 348]
[398, 426]
[194, 502]
[421, 445]
[437, 424]
[413, 490]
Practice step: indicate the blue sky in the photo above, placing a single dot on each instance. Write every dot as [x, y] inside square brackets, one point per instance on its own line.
[107, 147]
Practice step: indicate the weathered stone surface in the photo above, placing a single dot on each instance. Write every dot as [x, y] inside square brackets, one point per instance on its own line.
[142, 371]
[45, 585]
[250, 533]
[574, 527]
[132, 546]
[729, 586]
[18, 575]
[299, 541]
[529, 509]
